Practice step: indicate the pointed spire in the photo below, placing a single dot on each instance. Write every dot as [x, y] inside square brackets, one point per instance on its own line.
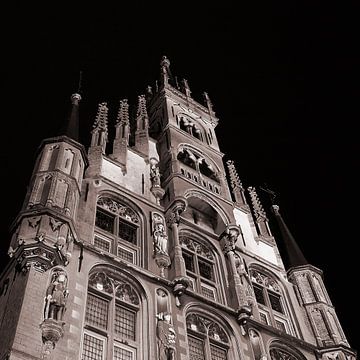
[142, 127]
[236, 185]
[123, 113]
[208, 102]
[165, 71]
[186, 88]
[261, 218]
[100, 127]
[122, 131]
[293, 253]
[257, 207]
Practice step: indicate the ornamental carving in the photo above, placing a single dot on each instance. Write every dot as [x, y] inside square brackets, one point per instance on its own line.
[125, 292]
[264, 280]
[159, 234]
[119, 287]
[119, 209]
[203, 325]
[196, 247]
[279, 354]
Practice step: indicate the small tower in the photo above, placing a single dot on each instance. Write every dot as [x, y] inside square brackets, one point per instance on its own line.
[313, 296]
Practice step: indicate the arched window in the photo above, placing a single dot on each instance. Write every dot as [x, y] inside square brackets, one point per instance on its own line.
[200, 267]
[281, 351]
[203, 171]
[117, 229]
[112, 319]
[270, 301]
[206, 339]
[188, 125]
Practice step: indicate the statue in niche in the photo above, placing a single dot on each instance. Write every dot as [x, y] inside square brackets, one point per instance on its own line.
[161, 239]
[56, 296]
[228, 238]
[155, 174]
[166, 335]
[160, 236]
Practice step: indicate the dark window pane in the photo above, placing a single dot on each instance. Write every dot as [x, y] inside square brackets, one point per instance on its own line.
[275, 302]
[104, 221]
[127, 232]
[280, 325]
[206, 270]
[259, 294]
[196, 348]
[189, 262]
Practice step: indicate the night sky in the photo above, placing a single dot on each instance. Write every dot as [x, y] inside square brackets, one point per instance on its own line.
[283, 77]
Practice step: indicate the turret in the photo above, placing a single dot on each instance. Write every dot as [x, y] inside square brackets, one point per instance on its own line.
[312, 294]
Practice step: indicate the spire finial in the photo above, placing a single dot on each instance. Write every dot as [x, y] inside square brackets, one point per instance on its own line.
[100, 127]
[165, 71]
[123, 113]
[186, 88]
[141, 110]
[208, 101]
[258, 209]
[235, 182]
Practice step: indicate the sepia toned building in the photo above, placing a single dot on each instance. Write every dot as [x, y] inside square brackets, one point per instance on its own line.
[147, 246]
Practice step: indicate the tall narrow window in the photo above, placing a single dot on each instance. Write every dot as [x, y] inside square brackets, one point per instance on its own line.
[206, 339]
[200, 267]
[269, 298]
[111, 319]
[117, 227]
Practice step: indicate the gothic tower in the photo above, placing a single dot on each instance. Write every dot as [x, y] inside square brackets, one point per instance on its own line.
[156, 250]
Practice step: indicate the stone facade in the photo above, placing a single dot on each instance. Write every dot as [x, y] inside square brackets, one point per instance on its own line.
[149, 253]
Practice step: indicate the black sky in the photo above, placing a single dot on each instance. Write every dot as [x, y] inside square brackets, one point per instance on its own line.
[283, 77]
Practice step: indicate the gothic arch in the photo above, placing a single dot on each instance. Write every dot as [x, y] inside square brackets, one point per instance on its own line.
[114, 318]
[199, 153]
[234, 350]
[277, 347]
[203, 196]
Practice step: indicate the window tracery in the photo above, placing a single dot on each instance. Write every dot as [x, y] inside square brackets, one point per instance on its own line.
[112, 315]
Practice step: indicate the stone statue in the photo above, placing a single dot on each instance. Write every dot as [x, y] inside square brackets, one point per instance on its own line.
[56, 295]
[166, 337]
[161, 239]
[155, 175]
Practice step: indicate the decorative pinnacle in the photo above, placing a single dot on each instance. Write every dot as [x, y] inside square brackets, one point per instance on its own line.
[123, 113]
[101, 119]
[186, 87]
[208, 101]
[235, 181]
[259, 211]
[165, 62]
[75, 98]
[141, 111]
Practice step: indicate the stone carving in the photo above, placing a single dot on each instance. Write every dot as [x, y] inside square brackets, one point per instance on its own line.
[166, 337]
[34, 221]
[117, 208]
[159, 234]
[40, 237]
[55, 224]
[264, 280]
[228, 238]
[161, 253]
[56, 296]
[279, 354]
[203, 325]
[196, 247]
[333, 356]
[154, 173]
[180, 284]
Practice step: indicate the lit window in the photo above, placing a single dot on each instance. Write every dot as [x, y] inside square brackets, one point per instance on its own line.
[206, 339]
[111, 319]
[118, 225]
[200, 267]
[269, 298]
